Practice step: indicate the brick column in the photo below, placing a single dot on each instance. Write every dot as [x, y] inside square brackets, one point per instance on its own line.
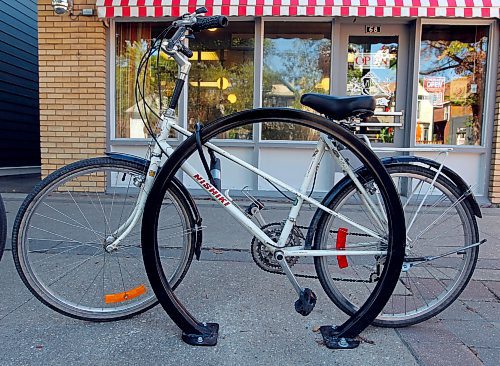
[72, 56]
[495, 156]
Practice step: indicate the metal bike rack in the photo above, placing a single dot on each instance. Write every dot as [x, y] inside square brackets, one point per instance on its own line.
[399, 124]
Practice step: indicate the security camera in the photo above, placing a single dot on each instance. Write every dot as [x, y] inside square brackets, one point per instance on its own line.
[62, 7]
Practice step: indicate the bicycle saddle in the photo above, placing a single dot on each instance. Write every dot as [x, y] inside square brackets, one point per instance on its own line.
[339, 108]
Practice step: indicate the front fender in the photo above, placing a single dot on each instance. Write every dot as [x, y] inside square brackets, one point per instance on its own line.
[128, 157]
[185, 195]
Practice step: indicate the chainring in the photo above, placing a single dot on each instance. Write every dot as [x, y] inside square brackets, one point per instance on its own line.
[264, 258]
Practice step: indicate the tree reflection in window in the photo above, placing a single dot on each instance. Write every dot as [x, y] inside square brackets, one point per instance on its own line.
[296, 61]
[221, 77]
[132, 41]
[451, 84]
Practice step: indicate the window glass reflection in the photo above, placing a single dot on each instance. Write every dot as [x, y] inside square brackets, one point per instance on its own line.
[296, 61]
[221, 77]
[132, 41]
[451, 84]
[372, 70]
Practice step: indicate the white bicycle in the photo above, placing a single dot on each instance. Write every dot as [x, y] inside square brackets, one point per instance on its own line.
[76, 239]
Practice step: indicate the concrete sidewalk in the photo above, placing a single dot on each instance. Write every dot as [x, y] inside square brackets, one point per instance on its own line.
[255, 312]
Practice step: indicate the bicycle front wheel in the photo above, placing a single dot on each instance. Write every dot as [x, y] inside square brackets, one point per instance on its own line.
[63, 229]
[440, 224]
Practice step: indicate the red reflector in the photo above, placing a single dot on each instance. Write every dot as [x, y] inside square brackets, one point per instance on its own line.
[341, 239]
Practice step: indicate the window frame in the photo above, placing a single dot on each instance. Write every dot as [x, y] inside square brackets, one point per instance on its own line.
[259, 23]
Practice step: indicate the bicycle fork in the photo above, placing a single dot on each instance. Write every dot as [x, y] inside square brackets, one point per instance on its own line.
[113, 241]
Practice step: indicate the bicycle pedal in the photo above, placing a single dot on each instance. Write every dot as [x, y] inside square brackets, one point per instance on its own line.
[306, 302]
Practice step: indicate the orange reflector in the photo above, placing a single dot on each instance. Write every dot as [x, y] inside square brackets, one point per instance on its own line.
[341, 239]
[126, 295]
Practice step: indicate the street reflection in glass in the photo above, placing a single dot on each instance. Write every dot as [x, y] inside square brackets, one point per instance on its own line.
[296, 61]
[451, 84]
[372, 70]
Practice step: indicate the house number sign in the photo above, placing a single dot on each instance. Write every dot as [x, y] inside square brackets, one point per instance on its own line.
[372, 29]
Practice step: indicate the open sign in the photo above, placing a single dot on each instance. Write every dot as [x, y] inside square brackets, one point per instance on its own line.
[377, 60]
[434, 84]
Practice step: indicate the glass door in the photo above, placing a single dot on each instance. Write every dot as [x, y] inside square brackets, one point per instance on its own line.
[375, 62]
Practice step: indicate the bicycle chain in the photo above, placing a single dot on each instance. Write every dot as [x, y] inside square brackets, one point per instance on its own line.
[335, 231]
[316, 277]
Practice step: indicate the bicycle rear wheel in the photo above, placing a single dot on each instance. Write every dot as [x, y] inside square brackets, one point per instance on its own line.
[392, 244]
[64, 226]
[443, 224]
[3, 227]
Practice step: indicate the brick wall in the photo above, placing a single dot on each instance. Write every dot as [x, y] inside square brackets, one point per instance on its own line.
[72, 56]
[495, 156]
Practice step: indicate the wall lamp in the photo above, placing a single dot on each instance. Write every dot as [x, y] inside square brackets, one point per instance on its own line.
[62, 7]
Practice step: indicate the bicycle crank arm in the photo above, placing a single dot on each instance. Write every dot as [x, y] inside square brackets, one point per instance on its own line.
[413, 262]
[280, 258]
[307, 298]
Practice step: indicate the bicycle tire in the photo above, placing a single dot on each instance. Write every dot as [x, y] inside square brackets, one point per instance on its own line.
[395, 241]
[60, 223]
[3, 227]
[434, 286]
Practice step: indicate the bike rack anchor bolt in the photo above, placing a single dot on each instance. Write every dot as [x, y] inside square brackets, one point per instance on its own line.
[343, 343]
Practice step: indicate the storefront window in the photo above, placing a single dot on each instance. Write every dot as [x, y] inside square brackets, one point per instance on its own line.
[132, 41]
[451, 84]
[221, 78]
[372, 70]
[296, 61]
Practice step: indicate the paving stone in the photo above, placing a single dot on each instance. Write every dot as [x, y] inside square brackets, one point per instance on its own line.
[430, 354]
[475, 333]
[489, 311]
[488, 264]
[493, 286]
[486, 274]
[489, 356]
[432, 331]
[476, 291]
[460, 310]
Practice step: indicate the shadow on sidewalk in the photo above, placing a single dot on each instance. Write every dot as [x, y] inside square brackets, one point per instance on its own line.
[22, 183]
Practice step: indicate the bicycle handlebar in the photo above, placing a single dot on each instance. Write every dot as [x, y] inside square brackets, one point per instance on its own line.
[217, 21]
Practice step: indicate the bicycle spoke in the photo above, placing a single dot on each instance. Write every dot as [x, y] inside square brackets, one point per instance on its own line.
[84, 217]
[64, 222]
[76, 267]
[53, 208]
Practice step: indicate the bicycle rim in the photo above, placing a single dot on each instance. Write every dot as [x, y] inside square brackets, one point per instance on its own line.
[64, 230]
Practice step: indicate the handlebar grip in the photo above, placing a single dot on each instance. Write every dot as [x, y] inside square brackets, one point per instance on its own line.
[217, 21]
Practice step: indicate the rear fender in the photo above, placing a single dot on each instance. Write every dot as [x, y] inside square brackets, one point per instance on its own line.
[445, 171]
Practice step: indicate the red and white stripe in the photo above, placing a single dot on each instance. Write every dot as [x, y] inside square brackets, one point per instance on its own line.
[343, 8]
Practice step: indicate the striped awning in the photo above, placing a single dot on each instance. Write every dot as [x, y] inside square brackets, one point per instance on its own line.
[344, 8]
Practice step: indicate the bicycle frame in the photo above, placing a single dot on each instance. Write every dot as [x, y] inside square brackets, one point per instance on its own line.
[324, 144]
